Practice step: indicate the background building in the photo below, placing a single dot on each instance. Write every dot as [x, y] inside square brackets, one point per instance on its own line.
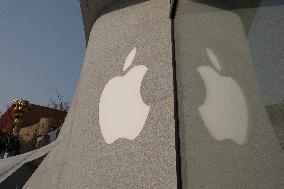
[38, 122]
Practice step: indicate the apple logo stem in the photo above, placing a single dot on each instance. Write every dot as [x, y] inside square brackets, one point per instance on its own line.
[224, 111]
[122, 112]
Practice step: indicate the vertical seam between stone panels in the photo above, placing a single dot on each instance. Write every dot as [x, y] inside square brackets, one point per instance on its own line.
[177, 136]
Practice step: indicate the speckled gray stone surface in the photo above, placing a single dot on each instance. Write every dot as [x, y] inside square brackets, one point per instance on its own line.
[83, 160]
[91, 10]
[206, 162]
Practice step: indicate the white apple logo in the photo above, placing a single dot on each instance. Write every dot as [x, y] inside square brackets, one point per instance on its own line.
[224, 111]
[122, 112]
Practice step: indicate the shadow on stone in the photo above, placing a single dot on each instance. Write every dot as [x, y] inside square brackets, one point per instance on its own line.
[92, 10]
[18, 179]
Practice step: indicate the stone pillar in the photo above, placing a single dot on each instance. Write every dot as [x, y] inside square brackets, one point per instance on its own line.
[127, 68]
[227, 140]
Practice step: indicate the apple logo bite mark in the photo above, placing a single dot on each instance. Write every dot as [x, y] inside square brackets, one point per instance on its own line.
[224, 111]
[122, 112]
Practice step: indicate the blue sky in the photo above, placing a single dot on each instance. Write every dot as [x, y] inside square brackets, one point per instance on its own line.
[42, 47]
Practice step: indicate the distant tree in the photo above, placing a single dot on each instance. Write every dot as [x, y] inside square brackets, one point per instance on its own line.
[3, 140]
[9, 143]
[59, 103]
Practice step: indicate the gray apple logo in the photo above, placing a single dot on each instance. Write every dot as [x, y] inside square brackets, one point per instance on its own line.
[224, 111]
